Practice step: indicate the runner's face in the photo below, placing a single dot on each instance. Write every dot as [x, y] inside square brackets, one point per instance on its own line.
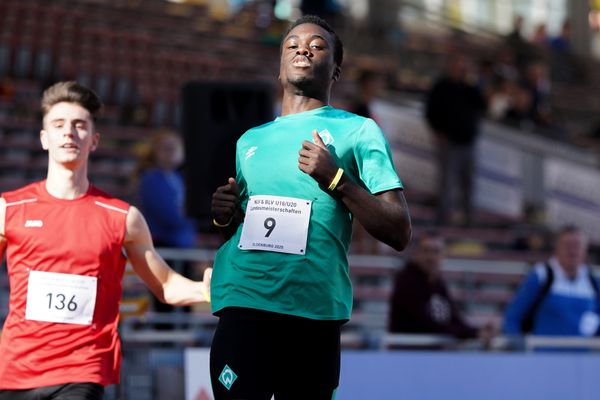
[307, 57]
[68, 134]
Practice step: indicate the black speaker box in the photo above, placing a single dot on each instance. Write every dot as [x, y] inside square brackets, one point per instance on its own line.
[214, 116]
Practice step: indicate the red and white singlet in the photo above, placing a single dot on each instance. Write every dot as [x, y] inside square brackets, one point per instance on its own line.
[65, 266]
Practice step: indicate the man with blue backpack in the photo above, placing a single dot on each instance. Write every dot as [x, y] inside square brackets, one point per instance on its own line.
[559, 297]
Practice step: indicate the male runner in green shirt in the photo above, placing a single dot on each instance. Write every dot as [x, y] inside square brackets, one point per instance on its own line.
[281, 285]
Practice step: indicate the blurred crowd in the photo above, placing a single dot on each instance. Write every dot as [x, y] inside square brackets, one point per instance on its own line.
[517, 82]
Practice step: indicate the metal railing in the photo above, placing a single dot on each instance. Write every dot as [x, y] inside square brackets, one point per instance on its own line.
[527, 343]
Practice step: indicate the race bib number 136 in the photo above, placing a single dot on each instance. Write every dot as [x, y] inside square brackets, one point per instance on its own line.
[66, 298]
[275, 223]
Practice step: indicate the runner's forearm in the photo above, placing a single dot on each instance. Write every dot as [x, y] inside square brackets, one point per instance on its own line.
[385, 216]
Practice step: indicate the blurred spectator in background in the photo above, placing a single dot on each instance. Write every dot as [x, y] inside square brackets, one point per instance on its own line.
[161, 191]
[518, 112]
[540, 36]
[161, 196]
[564, 65]
[453, 110]
[496, 81]
[537, 82]
[369, 85]
[560, 296]
[486, 76]
[421, 302]
[505, 64]
[562, 42]
[517, 43]
[501, 93]
[499, 97]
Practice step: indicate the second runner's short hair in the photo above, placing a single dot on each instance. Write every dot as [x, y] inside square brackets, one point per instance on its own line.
[71, 92]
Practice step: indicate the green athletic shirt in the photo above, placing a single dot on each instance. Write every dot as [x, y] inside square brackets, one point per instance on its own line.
[315, 284]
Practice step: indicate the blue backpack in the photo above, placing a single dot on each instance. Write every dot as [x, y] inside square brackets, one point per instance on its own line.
[527, 321]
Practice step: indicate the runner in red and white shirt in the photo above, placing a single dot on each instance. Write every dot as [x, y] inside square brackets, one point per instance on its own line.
[64, 239]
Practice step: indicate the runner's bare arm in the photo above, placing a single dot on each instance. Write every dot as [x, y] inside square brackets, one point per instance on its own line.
[167, 285]
[384, 215]
[2, 236]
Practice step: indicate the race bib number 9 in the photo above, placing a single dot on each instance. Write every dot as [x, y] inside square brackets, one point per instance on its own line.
[275, 223]
[66, 298]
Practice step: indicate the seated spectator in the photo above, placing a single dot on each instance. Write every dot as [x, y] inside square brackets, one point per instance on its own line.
[161, 195]
[560, 296]
[161, 191]
[421, 302]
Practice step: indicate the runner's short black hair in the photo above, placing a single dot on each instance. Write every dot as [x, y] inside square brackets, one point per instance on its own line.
[338, 46]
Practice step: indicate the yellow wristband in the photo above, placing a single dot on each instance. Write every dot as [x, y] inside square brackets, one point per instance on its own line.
[336, 179]
[205, 293]
[218, 225]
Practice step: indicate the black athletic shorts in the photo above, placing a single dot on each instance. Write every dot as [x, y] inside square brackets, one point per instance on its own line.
[68, 391]
[256, 354]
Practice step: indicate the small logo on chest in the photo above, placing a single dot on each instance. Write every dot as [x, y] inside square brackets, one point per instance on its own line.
[326, 137]
[251, 151]
[34, 223]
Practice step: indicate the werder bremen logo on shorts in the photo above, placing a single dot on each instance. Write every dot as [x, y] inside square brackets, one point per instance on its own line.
[227, 377]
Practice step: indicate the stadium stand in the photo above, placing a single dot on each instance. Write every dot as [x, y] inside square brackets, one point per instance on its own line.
[137, 55]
